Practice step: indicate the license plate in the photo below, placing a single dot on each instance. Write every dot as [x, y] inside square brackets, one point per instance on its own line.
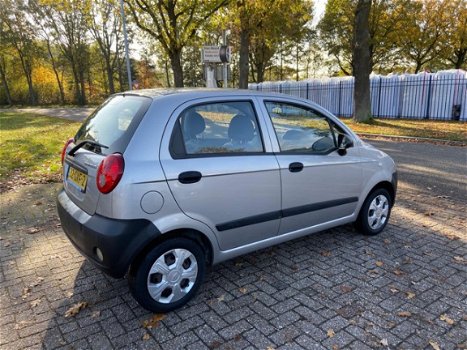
[78, 178]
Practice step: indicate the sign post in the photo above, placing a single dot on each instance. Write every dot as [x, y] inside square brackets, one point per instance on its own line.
[211, 56]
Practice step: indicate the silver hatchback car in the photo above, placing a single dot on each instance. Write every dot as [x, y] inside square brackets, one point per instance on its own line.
[158, 184]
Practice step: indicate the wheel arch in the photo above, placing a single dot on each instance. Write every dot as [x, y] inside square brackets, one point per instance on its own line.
[194, 235]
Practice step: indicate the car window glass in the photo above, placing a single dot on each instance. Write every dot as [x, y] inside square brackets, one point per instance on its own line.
[114, 123]
[300, 129]
[225, 127]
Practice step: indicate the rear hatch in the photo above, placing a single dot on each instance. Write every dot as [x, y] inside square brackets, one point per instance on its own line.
[107, 131]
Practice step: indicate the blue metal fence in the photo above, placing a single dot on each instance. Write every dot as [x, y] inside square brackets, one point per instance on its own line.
[441, 95]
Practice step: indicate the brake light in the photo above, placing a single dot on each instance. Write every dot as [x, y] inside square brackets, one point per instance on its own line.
[110, 172]
[65, 147]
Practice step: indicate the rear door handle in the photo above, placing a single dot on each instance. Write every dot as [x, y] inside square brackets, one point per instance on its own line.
[295, 167]
[189, 177]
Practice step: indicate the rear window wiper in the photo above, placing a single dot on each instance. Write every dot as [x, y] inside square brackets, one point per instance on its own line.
[85, 142]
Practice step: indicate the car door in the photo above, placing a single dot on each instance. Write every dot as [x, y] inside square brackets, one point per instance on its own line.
[318, 184]
[221, 171]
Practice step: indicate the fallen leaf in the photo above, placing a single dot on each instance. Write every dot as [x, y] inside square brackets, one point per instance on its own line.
[331, 333]
[384, 342]
[398, 272]
[387, 241]
[238, 337]
[379, 263]
[76, 308]
[429, 213]
[404, 314]
[242, 290]
[38, 203]
[37, 282]
[345, 289]
[407, 260]
[434, 345]
[270, 348]
[154, 321]
[446, 319]
[326, 253]
[221, 298]
[410, 295]
[36, 302]
[459, 259]
[32, 230]
[373, 272]
[96, 314]
[146, 336]
[335, 347]
[26, 292]
[394, 290]
[69, 294]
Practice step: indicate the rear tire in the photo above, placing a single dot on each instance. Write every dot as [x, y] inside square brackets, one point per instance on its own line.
[375, 212]
[168, 276]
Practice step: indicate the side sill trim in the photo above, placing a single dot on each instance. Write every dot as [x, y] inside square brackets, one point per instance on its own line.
[274, 215]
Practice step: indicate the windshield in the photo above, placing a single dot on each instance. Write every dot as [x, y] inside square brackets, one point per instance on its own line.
[113, 123]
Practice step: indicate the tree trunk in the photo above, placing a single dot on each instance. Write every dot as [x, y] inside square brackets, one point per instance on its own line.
[361, 62]
[110, 75]
[418, 67]
[167, 76]
[5, 82]
[260, 72]
[176, 63]
[460, 58]
[244, 58]
[54, 67]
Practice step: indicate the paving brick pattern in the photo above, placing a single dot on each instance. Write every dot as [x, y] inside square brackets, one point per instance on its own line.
[403, 289]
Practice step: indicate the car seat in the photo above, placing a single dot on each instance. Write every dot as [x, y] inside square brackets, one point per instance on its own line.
[193, 126]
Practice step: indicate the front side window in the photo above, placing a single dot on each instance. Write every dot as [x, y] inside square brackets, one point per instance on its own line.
[217, 128]
[300, 129]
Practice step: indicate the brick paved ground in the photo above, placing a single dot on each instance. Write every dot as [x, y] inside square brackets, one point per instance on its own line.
[404, 289]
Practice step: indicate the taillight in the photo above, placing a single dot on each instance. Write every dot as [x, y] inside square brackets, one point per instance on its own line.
[65, 147]
[110, 172]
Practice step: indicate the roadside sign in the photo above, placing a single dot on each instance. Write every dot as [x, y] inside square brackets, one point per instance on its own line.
[216, 54]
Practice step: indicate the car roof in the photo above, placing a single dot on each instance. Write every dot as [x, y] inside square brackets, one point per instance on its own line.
[200, 92]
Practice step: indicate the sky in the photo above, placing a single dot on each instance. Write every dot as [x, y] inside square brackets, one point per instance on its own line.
[319, 6]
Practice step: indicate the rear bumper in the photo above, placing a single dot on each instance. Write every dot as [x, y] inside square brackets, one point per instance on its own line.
[120, 241]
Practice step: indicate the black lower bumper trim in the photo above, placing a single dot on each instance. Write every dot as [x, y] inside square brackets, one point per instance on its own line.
[119, 240]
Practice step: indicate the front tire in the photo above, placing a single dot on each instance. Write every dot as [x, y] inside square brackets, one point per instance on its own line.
[168, 276]
[375, 212]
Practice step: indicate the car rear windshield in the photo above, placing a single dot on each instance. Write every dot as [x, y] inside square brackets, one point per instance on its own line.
[113, 123]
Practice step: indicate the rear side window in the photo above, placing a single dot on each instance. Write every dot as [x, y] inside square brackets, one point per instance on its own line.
[216, 128]
[113, 123]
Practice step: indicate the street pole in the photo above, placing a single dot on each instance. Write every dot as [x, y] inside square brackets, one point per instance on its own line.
[225, 64]
[125, 39]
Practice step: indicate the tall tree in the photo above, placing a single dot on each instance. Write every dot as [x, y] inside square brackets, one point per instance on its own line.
[262, 27]
[336, 30]
[455, 50]
[3, 66]
[174, 24]
[20, 35]
[362, 62]
[106, 29]
[69, 21]
[421, 34]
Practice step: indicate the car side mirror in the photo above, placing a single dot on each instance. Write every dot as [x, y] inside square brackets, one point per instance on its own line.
[343, 142]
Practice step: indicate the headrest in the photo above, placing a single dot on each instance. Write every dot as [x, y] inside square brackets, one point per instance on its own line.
[241, 128]
[194, 124]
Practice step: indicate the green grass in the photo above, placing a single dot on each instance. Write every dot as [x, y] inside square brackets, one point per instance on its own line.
[446, 130]
[32, 144]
